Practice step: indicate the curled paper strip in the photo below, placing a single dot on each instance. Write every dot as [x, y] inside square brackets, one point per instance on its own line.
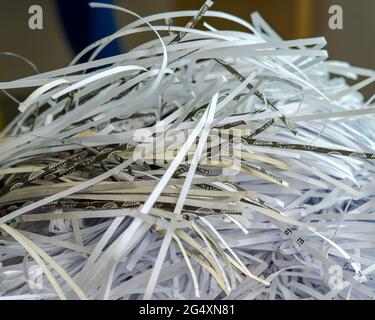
[211, 164]
[35, 95]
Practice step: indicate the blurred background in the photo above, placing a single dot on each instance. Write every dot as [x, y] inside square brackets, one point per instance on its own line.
[69, 25]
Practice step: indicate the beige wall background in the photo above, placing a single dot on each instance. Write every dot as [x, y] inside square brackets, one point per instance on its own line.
[356, 42]
[49, 49]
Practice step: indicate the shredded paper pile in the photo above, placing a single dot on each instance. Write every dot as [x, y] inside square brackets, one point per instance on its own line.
[204, 164]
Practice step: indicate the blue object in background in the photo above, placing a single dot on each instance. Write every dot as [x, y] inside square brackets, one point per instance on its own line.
[84, 25]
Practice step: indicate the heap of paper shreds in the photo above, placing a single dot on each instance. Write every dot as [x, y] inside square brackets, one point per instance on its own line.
[206, 163]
